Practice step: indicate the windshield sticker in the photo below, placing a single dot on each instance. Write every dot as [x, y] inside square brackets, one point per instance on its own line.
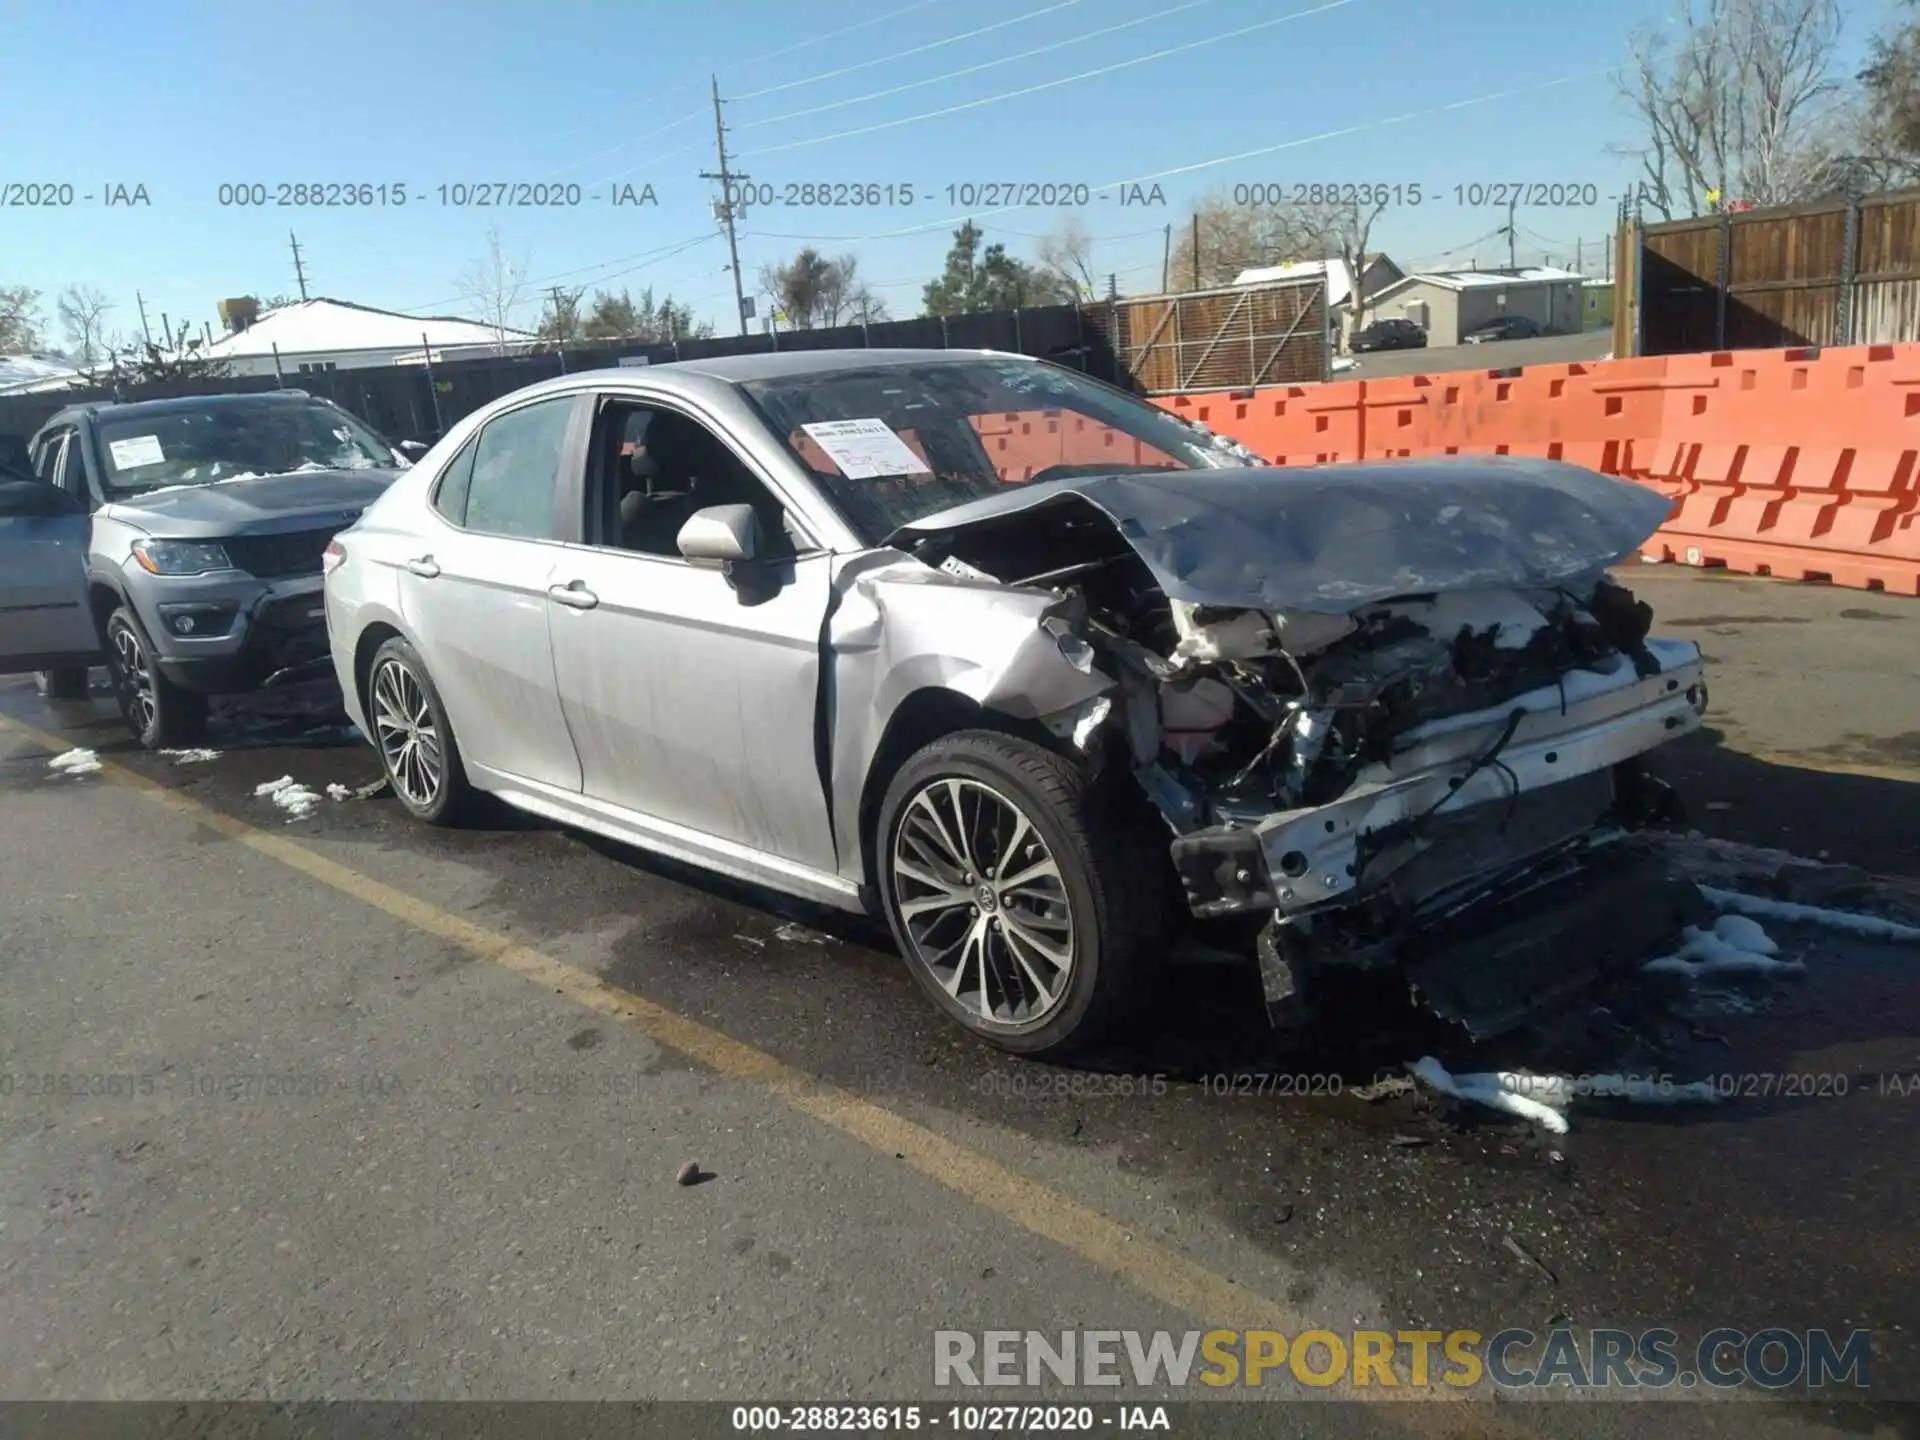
[140, 450]
[866, 449]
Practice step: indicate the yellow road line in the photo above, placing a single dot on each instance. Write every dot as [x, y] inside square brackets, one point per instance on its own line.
[1148, 1266]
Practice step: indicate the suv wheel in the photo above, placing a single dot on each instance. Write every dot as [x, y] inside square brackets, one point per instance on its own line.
[415, 741]
[161, 714]
[1019, 893]
[62, 684]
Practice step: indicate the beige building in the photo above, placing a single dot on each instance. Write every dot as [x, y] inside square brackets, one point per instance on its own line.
[1448, 304]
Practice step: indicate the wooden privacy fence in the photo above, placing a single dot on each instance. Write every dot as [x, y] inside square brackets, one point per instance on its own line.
[1837, 272]
[1235, 337]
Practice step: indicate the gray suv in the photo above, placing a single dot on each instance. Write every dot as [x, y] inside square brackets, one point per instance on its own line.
[202, 522]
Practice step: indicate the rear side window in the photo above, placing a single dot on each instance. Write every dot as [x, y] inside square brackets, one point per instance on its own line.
[516, 471]
[450, 491]
[46, 458]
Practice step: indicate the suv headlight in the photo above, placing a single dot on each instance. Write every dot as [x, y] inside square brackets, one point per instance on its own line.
[180, 557]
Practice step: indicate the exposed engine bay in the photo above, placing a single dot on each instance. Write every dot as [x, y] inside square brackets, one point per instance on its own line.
[1389, 782]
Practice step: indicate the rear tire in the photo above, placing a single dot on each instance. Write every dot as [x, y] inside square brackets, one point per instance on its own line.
[69, 684]
[161, 714]
[1054, 961]
[410, 729]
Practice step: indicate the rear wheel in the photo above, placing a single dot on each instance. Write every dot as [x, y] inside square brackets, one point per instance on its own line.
[70, 684]
[1020, 893]
[414, 738]
[161, 714]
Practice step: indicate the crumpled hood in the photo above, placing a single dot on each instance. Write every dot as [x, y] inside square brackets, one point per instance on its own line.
[1330, 538]
[265, 502]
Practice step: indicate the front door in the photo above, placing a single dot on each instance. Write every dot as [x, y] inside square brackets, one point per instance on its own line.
[687, 704]
[44, 620]
[691, 702]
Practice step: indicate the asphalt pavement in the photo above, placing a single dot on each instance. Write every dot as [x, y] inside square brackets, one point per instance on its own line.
[353, 1108]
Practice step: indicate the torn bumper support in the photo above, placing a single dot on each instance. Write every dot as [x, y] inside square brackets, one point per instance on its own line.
[1301, 860]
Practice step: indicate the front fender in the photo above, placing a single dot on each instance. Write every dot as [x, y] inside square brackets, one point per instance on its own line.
[898, 627]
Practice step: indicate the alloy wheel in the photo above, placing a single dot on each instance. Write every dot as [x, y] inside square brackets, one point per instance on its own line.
[982, 901]
[136, 678]
[409, 740]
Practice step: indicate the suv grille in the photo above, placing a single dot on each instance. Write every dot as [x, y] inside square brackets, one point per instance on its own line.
[278, 557]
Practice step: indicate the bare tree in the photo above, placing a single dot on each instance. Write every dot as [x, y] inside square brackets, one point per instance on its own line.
[814, 291]
[1067, 252]
[1344, 232]
[83, 312]
[19, 318]
[495, 285]
[1231, 238]
[1735, 104]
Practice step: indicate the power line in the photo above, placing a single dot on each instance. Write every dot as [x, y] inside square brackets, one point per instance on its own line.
[976, 69]
[1053, 84]
[836, 34]
[1020, 19]
[1360, 128]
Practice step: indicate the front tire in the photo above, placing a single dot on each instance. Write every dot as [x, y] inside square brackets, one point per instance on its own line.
[161, 714]
[1050, 957]
[415, 740]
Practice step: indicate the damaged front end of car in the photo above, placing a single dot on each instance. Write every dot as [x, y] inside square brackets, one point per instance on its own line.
[1396, 709]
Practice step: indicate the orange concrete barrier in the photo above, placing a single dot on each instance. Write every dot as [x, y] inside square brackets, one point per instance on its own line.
[1798, 463]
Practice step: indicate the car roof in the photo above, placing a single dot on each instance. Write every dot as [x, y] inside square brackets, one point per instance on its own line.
[173, 405]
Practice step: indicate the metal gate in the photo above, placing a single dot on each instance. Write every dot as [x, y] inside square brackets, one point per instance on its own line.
[1233, 338]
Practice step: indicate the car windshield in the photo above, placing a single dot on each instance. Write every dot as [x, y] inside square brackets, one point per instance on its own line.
[233, 441]
[891, 444]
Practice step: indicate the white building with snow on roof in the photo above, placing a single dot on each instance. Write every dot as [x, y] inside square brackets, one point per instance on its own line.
[309, 336]
[1377, 272]
[1448, 304]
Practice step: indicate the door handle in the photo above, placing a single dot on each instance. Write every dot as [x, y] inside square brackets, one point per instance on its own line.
[424, 567]
[574, 595]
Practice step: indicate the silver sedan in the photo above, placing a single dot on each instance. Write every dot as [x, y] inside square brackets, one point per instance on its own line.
[1052, 679]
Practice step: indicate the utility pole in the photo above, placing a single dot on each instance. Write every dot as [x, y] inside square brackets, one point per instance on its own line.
[1113, 288]
[1579, 257]
[141, 301]
[726, 177]
[1196, 249]
[1512, 234]
[1166, 263]
[299, 270]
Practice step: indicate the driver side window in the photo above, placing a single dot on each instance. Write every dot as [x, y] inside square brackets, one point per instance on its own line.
[653, 468]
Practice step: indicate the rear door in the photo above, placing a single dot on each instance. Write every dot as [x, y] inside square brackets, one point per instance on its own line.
[475, 594]
[44, 622]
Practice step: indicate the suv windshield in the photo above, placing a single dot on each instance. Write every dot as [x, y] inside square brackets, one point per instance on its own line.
[233, 441]
[892, 444]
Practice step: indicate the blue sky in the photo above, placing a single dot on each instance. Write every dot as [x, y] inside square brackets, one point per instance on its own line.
[186, 96]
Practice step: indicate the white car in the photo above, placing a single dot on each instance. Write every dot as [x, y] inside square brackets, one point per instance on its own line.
[1040, 672]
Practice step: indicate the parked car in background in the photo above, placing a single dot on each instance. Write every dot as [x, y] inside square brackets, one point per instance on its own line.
[185, 551]
[1040, 672]
[1390, 334]
[1507, 327]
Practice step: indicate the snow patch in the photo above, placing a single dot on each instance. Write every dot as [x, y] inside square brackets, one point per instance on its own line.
[296, 799]
[75, 762]
[191, 757]
[1735, 946]
[1545, 1099]
[1871, 927]
[338, 792]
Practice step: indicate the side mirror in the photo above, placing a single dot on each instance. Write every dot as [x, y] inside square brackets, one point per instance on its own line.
[728, 533]
[413, 449]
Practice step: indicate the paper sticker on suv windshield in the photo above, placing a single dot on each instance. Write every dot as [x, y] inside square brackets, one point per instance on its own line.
[132, 454]
[866, 449]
